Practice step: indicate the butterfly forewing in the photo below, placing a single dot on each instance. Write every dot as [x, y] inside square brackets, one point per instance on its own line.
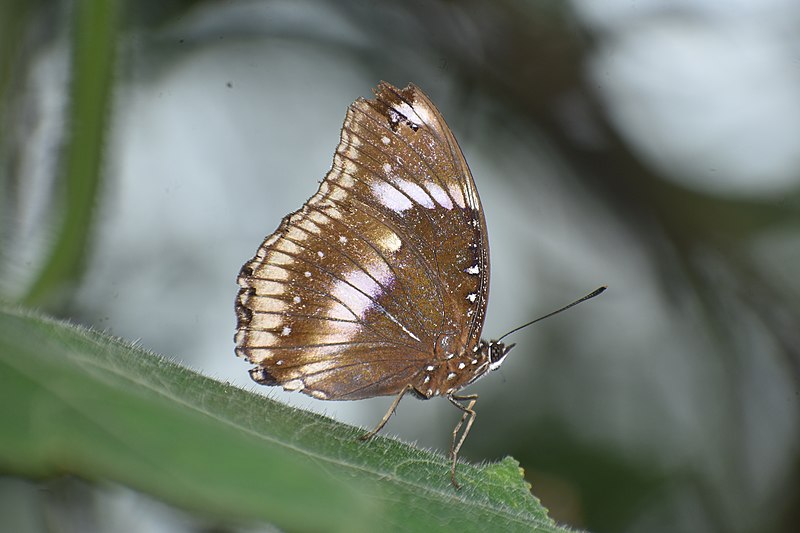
[380, 280]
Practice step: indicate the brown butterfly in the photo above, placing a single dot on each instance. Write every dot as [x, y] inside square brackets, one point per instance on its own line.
[378, 285]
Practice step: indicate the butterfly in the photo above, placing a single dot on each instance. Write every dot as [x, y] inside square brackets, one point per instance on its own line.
[378, 284]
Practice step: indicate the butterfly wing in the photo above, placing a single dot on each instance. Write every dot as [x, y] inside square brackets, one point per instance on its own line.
[382, 273]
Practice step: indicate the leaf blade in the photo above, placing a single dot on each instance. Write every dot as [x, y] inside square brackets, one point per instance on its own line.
[81, 402]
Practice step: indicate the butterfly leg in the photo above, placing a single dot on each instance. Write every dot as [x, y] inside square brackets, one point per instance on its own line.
[468, 416]
[388, 415]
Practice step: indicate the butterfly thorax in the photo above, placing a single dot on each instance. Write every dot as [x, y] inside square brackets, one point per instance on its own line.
[454, 371]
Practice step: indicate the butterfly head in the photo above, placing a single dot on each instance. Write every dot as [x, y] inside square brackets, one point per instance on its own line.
[496, 352]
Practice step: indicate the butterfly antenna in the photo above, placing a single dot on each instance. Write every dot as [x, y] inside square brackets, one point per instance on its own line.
[589, 296]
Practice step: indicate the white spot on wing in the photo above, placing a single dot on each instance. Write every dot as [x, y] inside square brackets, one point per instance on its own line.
[278, 258]
[414, 116]
[294, 385]
[474, 269]
[359, 291]
[390, 197]
[455, 192]
[416, 192]
[348, 167]
[337, 194]
[269, 305]
[472, 297]
[318, 220]
[273, 272]
[439, 195]
[390, 242]
[356, 292]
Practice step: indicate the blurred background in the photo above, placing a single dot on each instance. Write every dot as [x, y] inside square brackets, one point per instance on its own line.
[147, 148]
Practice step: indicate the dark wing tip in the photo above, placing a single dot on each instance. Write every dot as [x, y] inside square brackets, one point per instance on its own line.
[262, 376]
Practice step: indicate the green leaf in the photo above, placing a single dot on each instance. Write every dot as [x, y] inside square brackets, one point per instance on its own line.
[76, 401]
